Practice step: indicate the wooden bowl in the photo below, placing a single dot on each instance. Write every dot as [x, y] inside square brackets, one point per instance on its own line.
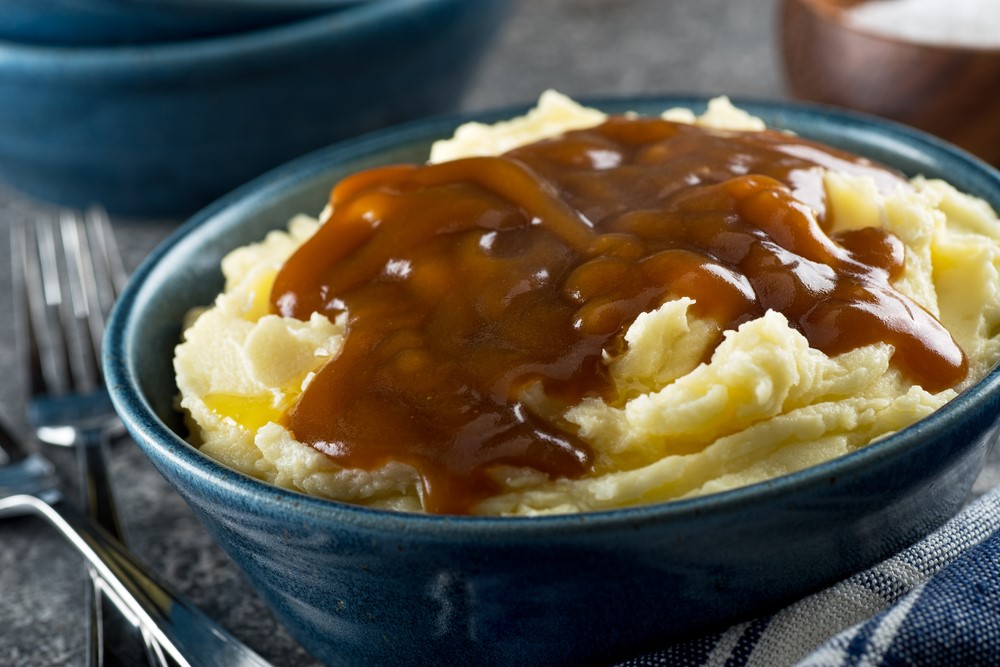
[952, 91]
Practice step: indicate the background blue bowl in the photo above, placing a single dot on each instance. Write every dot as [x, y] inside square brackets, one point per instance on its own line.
[360, 587]
[165, 129]
[105, 22]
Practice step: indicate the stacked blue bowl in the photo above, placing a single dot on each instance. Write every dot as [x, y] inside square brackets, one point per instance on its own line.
[157, 108]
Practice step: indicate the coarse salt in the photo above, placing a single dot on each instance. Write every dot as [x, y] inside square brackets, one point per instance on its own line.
[972, 23]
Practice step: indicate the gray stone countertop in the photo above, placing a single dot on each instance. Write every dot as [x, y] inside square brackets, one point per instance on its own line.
[582, 47]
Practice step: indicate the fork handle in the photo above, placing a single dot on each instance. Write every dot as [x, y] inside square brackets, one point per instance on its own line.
[182, 630]
[92, 448]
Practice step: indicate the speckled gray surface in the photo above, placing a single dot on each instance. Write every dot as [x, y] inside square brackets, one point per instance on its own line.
[583, 47]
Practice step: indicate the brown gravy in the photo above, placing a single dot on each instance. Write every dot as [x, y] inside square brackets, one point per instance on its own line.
[468, 283]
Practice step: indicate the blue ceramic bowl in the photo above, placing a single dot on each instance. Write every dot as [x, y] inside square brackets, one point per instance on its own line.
[162, 130]
[363, 587]
[105, 22]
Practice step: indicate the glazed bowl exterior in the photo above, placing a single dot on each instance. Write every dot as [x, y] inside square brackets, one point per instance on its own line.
[164, 129]
[364, 587]
[109, 22]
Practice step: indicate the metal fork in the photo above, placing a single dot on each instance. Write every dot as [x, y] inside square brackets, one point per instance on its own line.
[181, 630]
[64, 299]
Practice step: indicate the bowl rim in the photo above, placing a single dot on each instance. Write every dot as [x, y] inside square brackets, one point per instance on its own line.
[277, 5]
[149, 430]
[235, 49]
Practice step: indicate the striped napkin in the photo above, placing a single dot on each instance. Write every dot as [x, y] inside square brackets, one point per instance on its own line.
[936, 603]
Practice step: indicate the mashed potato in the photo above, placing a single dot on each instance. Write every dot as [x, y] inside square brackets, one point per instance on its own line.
[764, 404]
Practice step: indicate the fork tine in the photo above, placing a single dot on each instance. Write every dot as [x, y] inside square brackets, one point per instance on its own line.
[60, 321]
[106, 249]
[48, 354]
[88, 320]
[98, 275]
[23, 300]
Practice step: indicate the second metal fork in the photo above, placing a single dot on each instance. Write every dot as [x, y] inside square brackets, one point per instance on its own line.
[64, 299]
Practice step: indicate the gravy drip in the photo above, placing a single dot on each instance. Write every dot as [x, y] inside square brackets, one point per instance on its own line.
[471, 284]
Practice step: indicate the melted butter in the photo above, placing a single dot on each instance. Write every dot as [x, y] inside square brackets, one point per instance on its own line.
[260, 296]
[470, 283]
[250, 412]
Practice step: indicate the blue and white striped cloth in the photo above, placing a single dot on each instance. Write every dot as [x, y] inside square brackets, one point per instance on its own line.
[936, 603]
